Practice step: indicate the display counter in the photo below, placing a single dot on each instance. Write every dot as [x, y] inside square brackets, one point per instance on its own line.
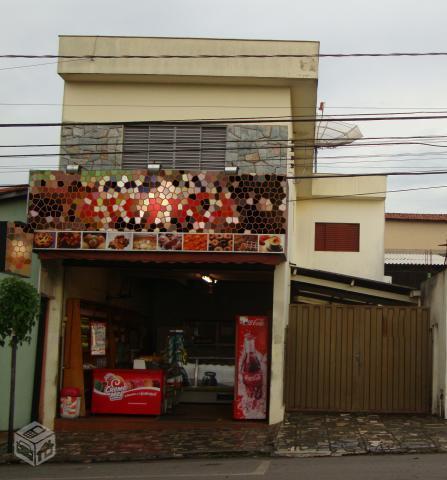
[137, 392]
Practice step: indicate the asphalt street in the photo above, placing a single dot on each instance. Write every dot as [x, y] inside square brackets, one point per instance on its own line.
[377, 467]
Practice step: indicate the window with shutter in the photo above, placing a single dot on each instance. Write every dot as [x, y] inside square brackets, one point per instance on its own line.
[337, 237]
[178, 147]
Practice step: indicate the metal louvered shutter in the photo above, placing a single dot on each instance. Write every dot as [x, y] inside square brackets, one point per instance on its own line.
[135, 148]
[187, 147]
[181, 147]
[337, 237]
[213, 148]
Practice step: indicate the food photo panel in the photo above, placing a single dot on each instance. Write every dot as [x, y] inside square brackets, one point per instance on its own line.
[271, 243]
[119, 241]
[70, 240]
[220, 242]
[195, 242]
[44, 240]
[169, 241]
[144, 241]
[94, 240]
[245, 243]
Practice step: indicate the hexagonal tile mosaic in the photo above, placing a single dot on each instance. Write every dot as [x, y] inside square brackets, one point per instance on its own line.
[172, 205]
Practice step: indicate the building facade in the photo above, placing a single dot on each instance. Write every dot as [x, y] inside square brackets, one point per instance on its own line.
[156, 208]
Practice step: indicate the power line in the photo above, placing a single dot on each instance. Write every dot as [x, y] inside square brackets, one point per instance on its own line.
[233, 120]
[179, 147]
[377, 174]
[367, 193]
[210, 142]
[288, 107]
[317, 198]
[40, 64]
[229, 56]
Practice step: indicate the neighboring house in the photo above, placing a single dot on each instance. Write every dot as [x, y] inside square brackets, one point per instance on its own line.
[342, 235]
[414, 246]
[154, 212]
[13, 208]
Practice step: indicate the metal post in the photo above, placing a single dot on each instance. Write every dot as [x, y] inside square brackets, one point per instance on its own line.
[12, 392]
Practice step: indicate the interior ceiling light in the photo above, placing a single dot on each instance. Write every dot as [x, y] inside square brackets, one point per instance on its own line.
[231, 170]
[208, 279]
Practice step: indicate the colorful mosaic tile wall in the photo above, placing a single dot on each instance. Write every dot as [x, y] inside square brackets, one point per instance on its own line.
[169, 202]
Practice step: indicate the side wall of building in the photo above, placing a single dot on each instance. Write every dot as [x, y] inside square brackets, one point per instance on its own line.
[408, 235]
[434, 296]
[14, 209]
[367, 263]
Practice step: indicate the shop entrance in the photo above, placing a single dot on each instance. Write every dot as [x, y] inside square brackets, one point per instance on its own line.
[169, 327]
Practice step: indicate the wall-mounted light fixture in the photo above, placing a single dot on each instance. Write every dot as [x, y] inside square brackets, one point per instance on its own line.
[153, 167]
[73, 168]
[231, 170]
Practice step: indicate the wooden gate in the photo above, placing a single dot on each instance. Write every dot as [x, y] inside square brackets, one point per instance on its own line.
[358, 359]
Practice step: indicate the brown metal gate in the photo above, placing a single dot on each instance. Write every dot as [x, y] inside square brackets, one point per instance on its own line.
[358, 359]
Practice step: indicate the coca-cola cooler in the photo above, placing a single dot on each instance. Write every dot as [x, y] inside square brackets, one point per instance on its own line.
[251, 368]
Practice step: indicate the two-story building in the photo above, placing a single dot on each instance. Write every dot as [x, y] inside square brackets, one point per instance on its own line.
[175, 210]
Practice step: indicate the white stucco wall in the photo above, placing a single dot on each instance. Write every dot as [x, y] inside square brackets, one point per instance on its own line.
[367, 263]
[434, 296]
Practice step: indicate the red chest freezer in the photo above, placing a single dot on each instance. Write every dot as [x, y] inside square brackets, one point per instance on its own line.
[138, 392]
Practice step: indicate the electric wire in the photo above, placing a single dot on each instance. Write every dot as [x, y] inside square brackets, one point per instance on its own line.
[228, 56]
[233, 120]
[291, 141]
[434, 187]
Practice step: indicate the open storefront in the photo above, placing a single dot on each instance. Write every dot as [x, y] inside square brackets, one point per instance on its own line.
[162, 339]
[169, 290]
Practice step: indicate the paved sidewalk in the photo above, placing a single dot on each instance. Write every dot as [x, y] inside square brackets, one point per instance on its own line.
[307, 435]
[160, 443]
[301, 435]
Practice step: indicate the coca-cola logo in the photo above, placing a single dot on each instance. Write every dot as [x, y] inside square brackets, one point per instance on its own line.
[251, 322]
[250, 378]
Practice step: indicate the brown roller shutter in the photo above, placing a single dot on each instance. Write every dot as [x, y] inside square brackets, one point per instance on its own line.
[337, 237]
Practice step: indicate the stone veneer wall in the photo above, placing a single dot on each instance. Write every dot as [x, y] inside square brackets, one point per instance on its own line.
[92, 146]
[258, 149]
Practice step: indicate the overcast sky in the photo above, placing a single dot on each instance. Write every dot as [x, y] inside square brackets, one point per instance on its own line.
[357, 85]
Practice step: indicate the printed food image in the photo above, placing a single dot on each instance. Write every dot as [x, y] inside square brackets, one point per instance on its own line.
[144, 241]
[69, 240]
[44, 239]
[221, 242]
[18, 255]
[94, 240]
[270, 243]
[169, 241]
[119, 241]
[246, 243]
[196, 242]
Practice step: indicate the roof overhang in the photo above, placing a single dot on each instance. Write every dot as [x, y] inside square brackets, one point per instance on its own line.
[316, 286]
[270, 67]
[163, 257]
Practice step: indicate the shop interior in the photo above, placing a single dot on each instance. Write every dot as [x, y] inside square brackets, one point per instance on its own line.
[178, 318]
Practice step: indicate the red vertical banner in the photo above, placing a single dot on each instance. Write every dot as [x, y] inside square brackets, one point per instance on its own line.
[251, 369]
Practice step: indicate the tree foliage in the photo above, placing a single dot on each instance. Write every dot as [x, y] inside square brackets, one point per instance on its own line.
[19, 306]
